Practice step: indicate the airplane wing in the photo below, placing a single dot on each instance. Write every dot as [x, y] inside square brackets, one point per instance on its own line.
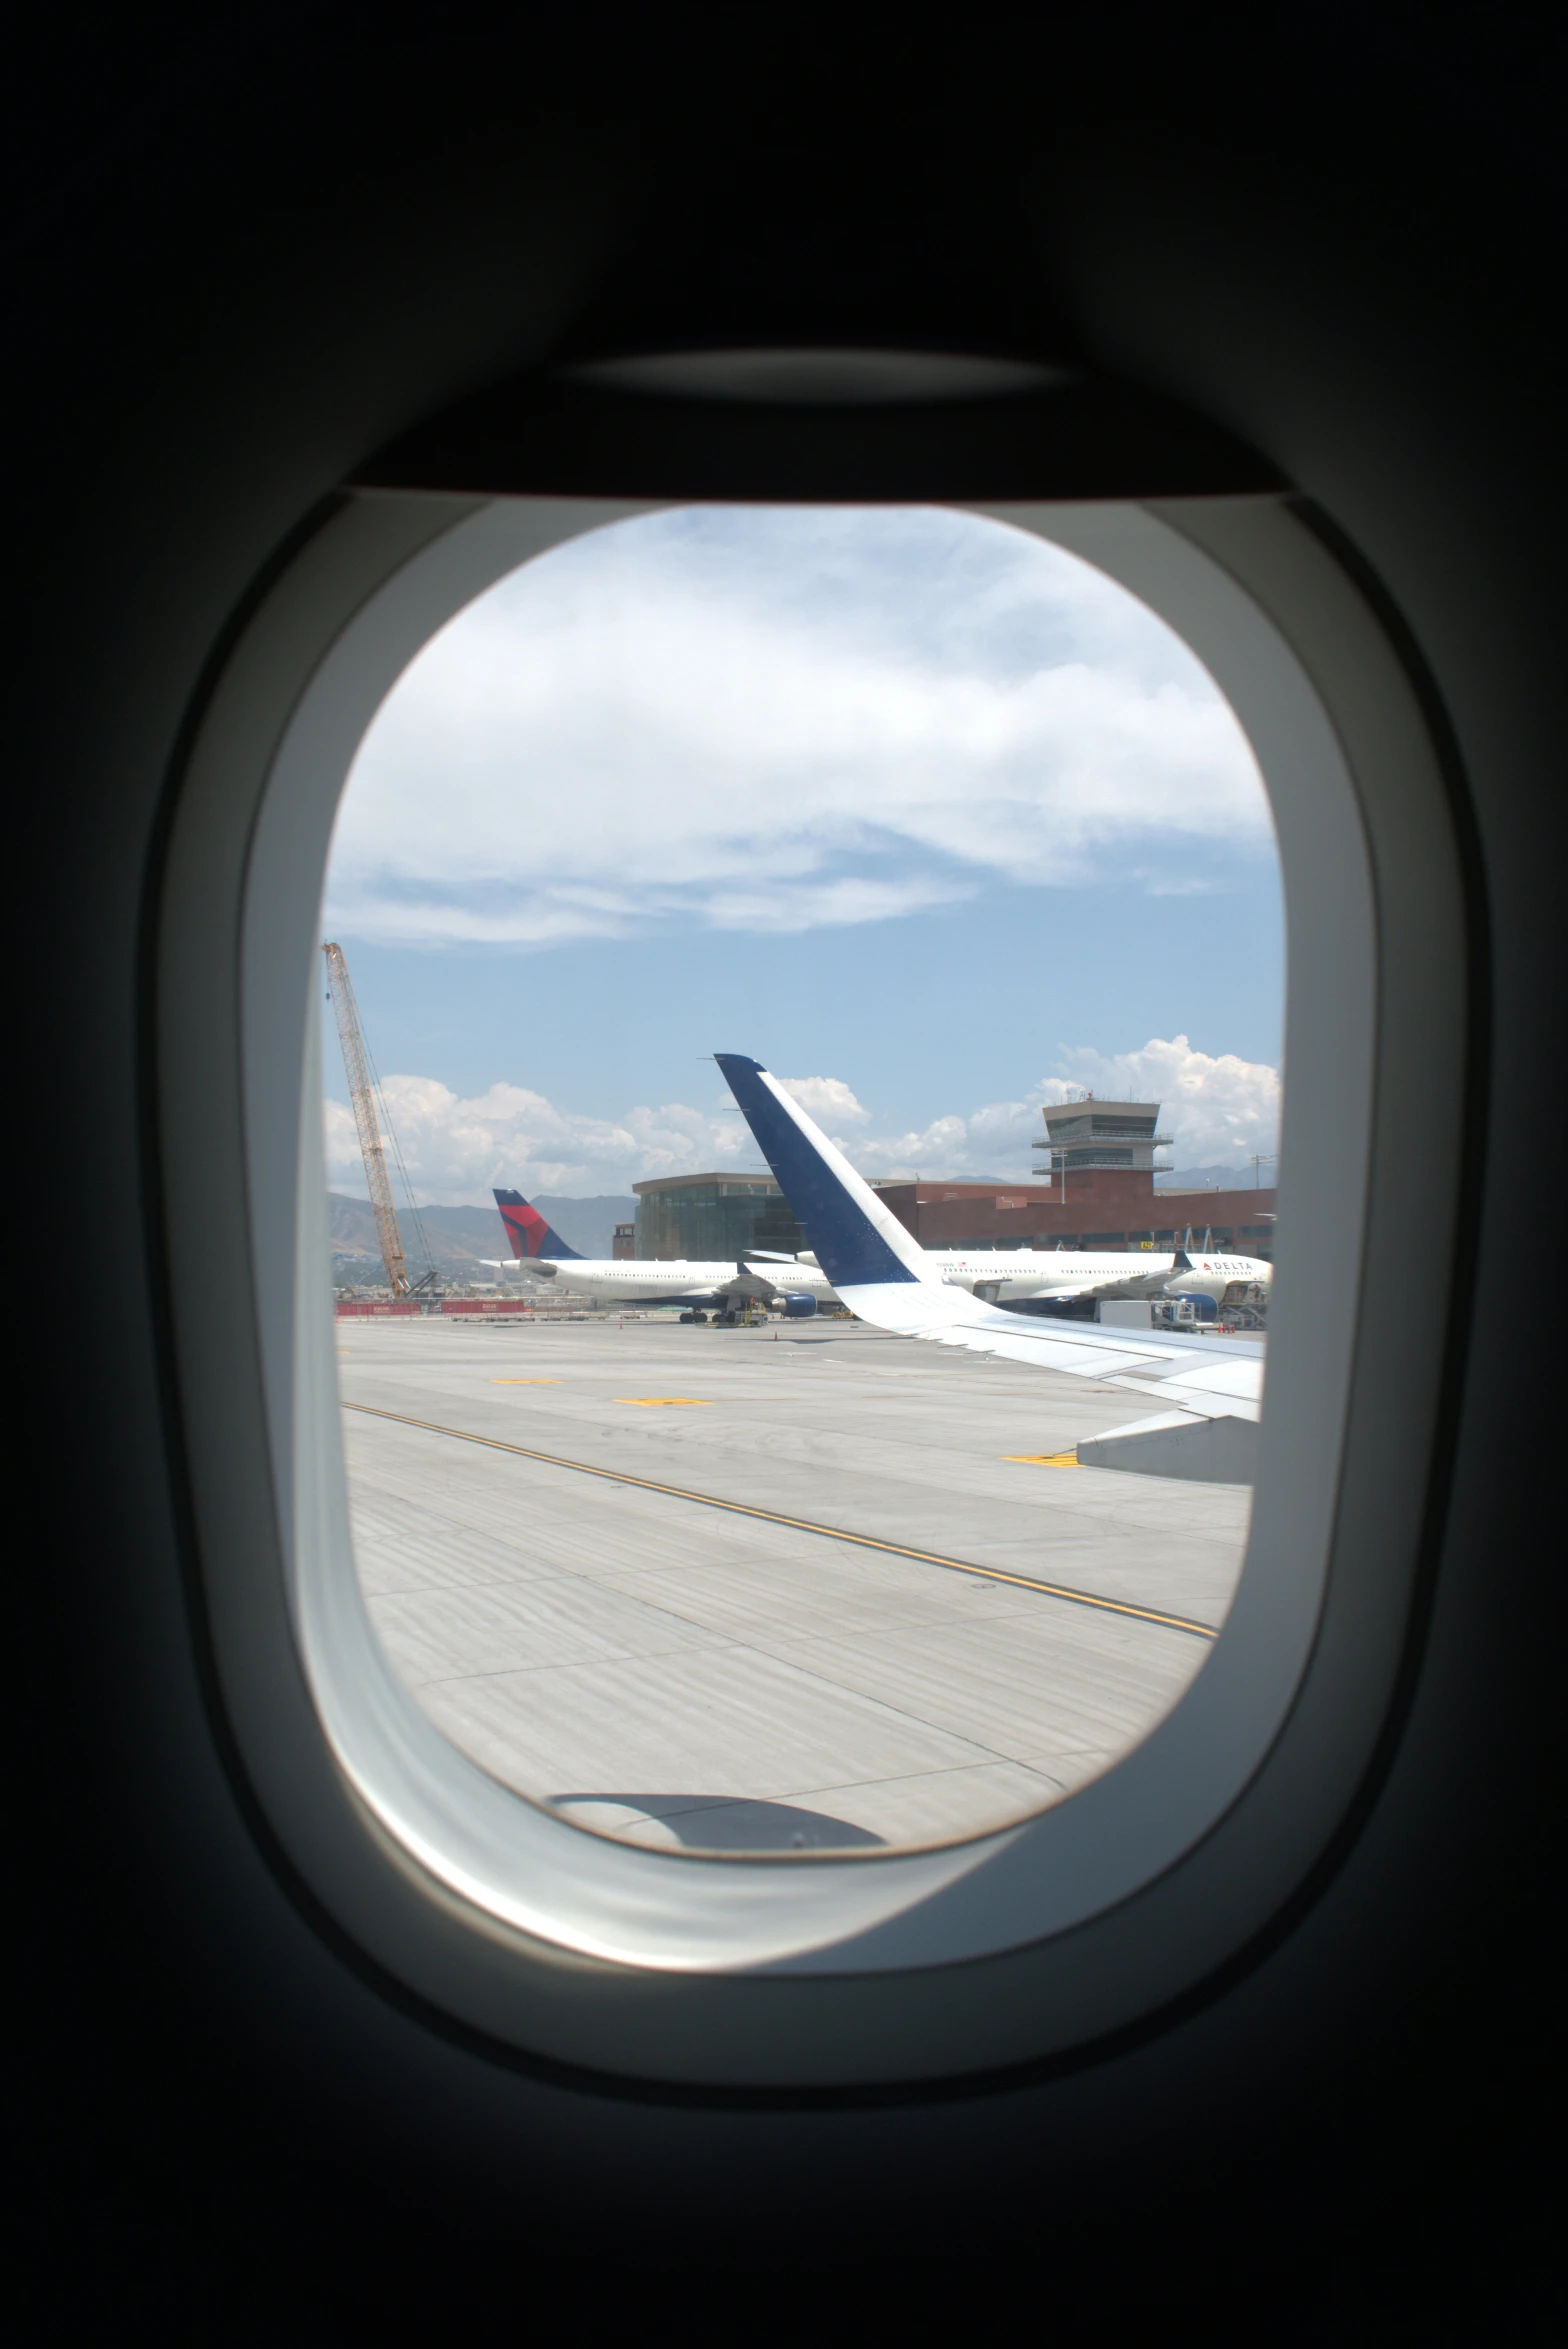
[1207, 1392]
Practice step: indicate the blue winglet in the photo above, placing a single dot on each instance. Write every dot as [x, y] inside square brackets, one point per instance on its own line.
[855, 1239]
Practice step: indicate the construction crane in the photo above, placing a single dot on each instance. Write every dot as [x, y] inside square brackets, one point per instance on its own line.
[369, 1118]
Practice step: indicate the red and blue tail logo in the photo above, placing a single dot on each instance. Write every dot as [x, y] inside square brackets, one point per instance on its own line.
[528, 1232]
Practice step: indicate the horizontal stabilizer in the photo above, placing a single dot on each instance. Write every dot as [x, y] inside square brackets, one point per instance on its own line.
[1205, 1451]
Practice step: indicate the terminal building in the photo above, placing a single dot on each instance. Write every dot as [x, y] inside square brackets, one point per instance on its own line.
[702, 1218]
[1098, 1191]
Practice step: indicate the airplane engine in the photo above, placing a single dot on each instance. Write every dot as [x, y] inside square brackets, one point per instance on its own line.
[800, 1307]
[1197, 1284]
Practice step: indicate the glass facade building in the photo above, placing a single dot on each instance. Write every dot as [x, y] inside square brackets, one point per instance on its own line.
[713, 1217]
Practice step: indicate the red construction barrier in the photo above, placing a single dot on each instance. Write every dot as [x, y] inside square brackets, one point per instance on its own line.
[364, 1312]
[483, 1305]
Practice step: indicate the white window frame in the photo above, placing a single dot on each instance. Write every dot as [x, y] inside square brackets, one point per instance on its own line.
[804, 1971]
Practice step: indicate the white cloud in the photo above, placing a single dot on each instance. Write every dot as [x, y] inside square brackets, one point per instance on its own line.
[826, 1099]
[780, 720]
[1218, 1109]
[457, 1150]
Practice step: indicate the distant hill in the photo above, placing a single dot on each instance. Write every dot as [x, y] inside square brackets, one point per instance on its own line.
[461, 1236]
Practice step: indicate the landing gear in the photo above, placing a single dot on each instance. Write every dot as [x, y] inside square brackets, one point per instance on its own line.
[694, 1316]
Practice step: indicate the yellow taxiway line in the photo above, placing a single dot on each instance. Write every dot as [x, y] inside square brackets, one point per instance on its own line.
[835, 1533]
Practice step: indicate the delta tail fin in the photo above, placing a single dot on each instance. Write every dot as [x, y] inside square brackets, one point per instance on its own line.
[528, 1233]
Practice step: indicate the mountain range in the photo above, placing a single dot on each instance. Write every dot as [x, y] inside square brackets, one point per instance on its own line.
[1213, 1178]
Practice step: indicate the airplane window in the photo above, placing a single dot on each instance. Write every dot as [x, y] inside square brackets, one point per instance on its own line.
[755, 899]
[825, 909]
[842, 1447]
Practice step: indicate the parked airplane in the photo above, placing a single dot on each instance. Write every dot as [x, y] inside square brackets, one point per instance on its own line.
[721, 1287]
[1067, 1275]
[998, 1275]
[1211, 1389]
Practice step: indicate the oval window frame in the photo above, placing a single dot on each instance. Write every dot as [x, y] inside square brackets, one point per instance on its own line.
[811, 1973]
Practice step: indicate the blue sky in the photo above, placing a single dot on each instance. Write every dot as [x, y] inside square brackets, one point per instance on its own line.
[914, 807]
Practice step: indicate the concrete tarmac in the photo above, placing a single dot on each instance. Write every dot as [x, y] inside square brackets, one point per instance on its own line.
[690, 1676]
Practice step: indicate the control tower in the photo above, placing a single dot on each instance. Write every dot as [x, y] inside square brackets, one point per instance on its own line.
[1101, 1147]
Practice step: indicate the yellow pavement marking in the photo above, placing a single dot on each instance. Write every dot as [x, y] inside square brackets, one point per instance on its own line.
[524, 1382]
[666, 1402]
[834, 1533]
[1042, 1459]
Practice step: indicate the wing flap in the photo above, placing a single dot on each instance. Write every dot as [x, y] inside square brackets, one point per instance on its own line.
[1223, 1450]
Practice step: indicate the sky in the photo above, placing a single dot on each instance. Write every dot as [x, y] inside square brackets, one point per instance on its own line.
[932, 818]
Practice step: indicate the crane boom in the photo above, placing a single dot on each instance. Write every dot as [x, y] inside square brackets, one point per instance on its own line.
[362, 1094]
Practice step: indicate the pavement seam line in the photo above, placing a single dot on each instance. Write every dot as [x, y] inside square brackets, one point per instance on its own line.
[863, 1541]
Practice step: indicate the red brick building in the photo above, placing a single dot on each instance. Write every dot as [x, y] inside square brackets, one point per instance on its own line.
[1110, 1212]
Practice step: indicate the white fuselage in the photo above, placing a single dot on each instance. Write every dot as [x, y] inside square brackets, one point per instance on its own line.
[649, 1281]
[1006, 1273]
